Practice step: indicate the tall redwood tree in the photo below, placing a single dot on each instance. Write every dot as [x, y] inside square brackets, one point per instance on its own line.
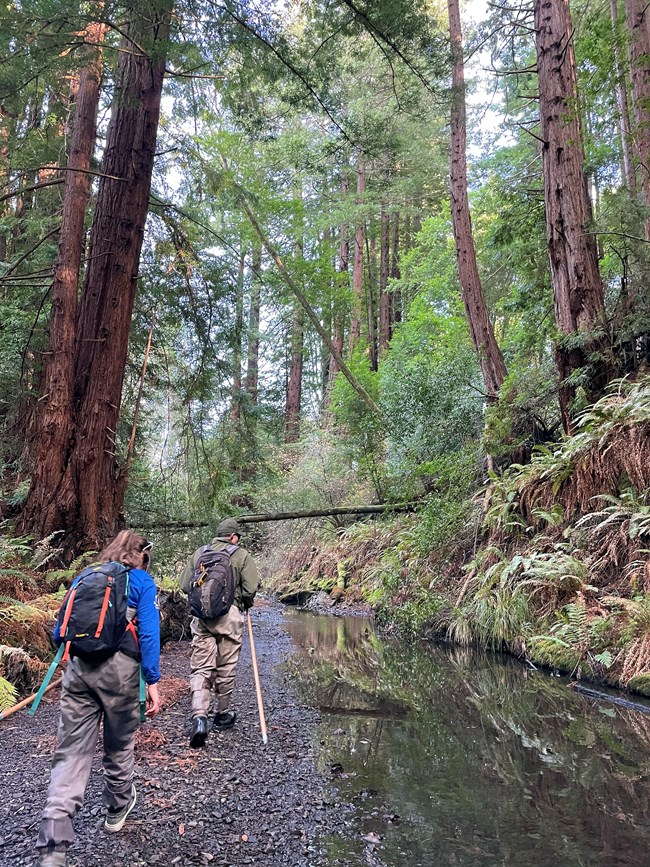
[490, 358]
[577, 286]
[88, 505]
[44, 511]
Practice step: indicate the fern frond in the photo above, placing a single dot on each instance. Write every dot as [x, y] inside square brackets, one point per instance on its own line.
[7, 694]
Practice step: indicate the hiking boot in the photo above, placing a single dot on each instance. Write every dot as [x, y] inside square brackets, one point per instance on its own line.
[199, 731]
[115, 821]
[53, 858]
[224, 720]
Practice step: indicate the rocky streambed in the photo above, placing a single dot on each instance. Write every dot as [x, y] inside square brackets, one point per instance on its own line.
[234, 802]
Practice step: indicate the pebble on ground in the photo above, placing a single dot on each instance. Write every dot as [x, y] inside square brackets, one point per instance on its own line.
[234, 802]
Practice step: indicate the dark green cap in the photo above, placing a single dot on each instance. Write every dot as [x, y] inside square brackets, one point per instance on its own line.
[227, 527]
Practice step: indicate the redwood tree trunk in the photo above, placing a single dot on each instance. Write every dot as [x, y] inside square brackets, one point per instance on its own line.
[294, 384]
[235, 405]
[577, 286]
[253, 356]
[343, 268]
[638, 26]
[489, 355]
[45, 511]
[89, 489]
[627, 162]
[396, 306]
[357, 267]
[384, 297]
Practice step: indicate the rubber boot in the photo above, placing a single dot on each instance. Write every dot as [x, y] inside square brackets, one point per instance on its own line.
[53, 858]
[199, 731]
[224, 720]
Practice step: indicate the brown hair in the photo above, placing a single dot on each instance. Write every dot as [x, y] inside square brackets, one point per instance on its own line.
[129, 548]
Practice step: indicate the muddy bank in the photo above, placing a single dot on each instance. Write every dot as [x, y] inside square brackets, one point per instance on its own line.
[235, 802]
[335, 606]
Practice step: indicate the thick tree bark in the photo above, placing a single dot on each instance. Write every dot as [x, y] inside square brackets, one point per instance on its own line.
[627, 163]
[638, 26]
[294, 382]
[44, 510]
[489, 355]
[357, 267]
[577, 286]
[89, 503]
[253, 355]
[384, 297]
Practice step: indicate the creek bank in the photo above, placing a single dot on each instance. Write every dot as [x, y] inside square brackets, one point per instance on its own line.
[236, 802]
[335, 605]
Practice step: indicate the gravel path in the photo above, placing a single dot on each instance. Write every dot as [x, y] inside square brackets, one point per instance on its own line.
[235, 802]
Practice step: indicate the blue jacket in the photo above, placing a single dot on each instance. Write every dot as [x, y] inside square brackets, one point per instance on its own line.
[143, 596]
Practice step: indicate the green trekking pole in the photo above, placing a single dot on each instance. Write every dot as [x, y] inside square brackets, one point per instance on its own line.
[143, 698]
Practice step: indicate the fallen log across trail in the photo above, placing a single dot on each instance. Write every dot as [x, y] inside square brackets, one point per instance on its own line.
[287, 516]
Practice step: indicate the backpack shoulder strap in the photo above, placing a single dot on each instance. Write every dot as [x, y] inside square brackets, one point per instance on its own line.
[230, 549]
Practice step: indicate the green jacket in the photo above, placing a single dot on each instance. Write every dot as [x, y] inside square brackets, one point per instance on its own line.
[243, 568]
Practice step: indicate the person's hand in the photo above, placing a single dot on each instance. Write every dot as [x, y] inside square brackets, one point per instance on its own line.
[153, 699]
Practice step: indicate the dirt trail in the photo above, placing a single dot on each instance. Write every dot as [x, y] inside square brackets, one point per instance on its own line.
[235, 802]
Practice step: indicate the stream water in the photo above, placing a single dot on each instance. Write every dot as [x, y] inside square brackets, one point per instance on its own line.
[451, 757]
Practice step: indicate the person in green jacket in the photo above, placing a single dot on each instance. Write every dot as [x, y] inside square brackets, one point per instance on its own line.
[216, 644]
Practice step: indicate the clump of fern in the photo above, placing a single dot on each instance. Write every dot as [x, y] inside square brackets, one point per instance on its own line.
[575, 641]
[66, 575]
[634, 639]
[7, 694]
[493, 609]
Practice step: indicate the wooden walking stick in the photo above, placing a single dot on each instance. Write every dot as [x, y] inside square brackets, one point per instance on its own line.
[27, 701]
[256, 675]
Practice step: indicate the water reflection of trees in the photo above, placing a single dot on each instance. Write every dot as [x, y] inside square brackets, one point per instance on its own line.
[490, 762]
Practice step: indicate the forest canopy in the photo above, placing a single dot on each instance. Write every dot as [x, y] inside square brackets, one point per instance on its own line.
[279, 256]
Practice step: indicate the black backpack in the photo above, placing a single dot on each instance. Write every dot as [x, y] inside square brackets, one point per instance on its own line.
[92, 618]
[212, 590]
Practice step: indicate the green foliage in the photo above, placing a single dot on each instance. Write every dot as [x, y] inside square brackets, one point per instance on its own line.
[364, 443]
[498, 611]
[7, 694]
[568, 642]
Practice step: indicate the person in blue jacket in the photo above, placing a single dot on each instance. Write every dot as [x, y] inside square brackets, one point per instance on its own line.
[107, 690]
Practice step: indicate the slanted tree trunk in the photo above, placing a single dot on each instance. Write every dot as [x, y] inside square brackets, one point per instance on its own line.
[638, 27]
[357, 267]
[384, 297]
[311, 315]
[577, 286]
[625, 133]
[489, 355]
[44, 510]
